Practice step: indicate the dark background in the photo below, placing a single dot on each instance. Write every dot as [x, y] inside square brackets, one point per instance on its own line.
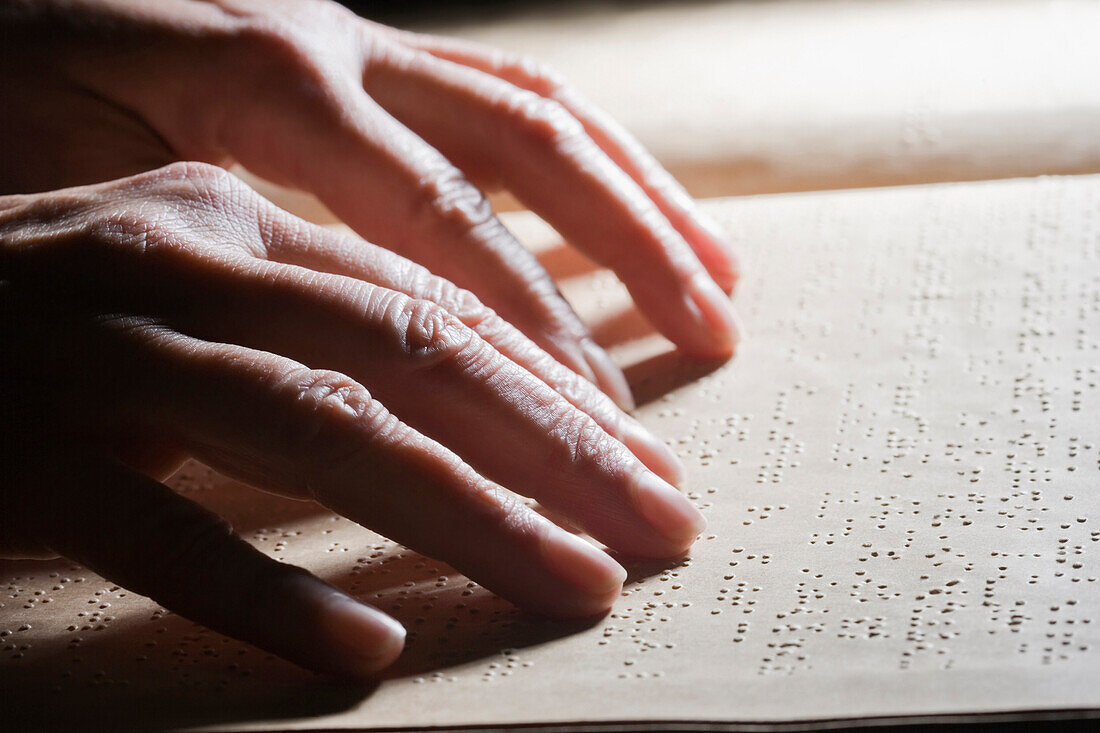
[410, 13]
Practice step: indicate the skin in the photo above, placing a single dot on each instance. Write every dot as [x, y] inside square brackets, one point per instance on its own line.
[157, 308]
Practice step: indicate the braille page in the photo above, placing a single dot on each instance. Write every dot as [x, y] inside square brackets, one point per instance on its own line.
[785, 95]
[899, 469]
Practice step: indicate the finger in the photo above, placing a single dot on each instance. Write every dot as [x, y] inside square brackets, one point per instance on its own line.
[449, 383]
[317, 434]
[140, 534]
[12, 201]
[324, 250]
[698, 229]
[154, 456]
[544, 156]
[395, 190]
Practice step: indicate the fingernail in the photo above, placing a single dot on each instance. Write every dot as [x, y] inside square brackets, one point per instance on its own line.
[715, 310]
[580, 564]
[652, 451]
[609, 376]
[373, 639]
[667, 510]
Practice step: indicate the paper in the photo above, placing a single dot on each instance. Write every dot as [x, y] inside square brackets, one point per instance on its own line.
[786, 95]
[899, 469]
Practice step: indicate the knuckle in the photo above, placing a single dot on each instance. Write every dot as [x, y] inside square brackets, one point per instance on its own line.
[534, 75]
[33, 212]
[126, 241]
[514, 515]
[135, 236]
[546, 122]
[451, 196]
[576, 436]
[432, 337]
[80, 244]
[330, 419]
[334, 428]
[171, 218]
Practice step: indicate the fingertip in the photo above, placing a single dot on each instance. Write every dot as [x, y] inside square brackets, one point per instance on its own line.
[718, 330]
[367, 640]
[714, 308]
[668, 512]
[584, 567]
[729, 283]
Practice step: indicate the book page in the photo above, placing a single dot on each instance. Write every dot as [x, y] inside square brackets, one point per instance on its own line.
[791, 95]
[899, 469]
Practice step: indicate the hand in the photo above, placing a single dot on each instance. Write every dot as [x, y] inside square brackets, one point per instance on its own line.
[173, 313]
[394, 131]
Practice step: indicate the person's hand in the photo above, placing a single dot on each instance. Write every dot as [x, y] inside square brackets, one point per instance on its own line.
[397, 133]
[175, 313]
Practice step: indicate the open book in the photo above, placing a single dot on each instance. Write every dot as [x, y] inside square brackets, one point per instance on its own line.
[901, 472]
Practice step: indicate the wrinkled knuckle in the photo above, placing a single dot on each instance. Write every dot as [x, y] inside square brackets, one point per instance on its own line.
[546, 122]
[460, 302]
[330, 418]
[537, 76]
[450, 195]
[515, 516]
[431, 336]
[85, 238]
[468, 306]
[549, 80]
[17, 212]
[577, 437]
